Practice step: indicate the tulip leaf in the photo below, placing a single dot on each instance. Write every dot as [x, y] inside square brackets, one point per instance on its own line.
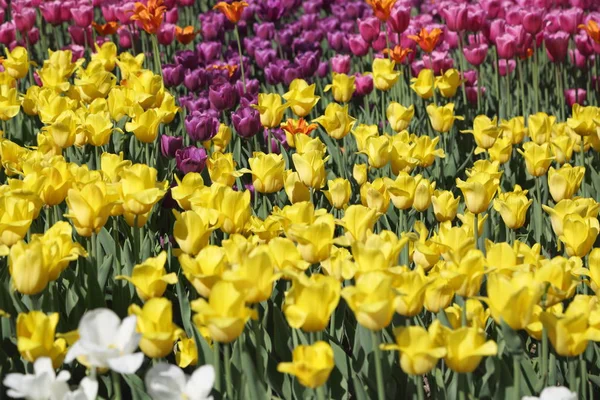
[136, 385]
[514, 344]
[105, 270]
[107, 242]
[530, 377]
[595, 379]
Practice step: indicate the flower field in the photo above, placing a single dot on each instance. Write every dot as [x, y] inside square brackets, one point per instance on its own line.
[286, 199]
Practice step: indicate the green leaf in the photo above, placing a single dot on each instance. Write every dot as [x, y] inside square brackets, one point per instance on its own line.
[137, 387]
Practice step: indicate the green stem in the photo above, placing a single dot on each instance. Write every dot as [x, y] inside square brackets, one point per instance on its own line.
[217, 366]
[228, 381]
[156, 54]
[419, 384]
[582, 162]
[378, 367]
[476, 229]
[517, 377]
[461, 60]
[584, 377]
[572, 375]
[239, 44]
[545, 350]
[538, 210]
[535, 78]
[116, 381]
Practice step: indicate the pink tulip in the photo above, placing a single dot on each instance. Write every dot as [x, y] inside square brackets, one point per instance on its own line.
[51, 12]
[166, 34]
[575, 96]
[340, 64]
[8, 33]
[557, 45]
[108, 12]
[514, 16]
[506, 45]
[80, 36]
[492, 8]
[124, 37]
[83, 15]
[364, 84]
[506, 67]
[456, 17]
[399, 19]
[172, 16]
[497, 28]
[476, 54]
[380, 43]
[470, 77]
[471, 92]
[532, 21]
[369, 29]
[476, 18]
[578, 59]
[569, 19]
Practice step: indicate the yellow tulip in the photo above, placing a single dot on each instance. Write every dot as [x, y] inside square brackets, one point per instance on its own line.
[295, 189]
[582, 120]
[514, 129]
[267, 172]
[89, 207]
[501, 151]
[419, 349]
[535, 327]
[411, 286]
[539, 127]
[476, 314]
[364, 132]
[425, 252]
[570, 333]
[384, 74]
[221, 168]
[16, 62]
[311, 364]
[423, 84]
[106, 54]
[9, 102]
[186, 188]
[358, 220]
[375, 195]
[579, 234]
[271, 109]
[478, 190]
[205, 269]
[155, 323]
[192, 229]
[371, 300]
[311, 168]
[566, 207]
[36, 337]
[448, 83]
[565, 181]
[377, 148]
[301, 99]
[559, 274]
[562, 148]
[233, 206]
[336, 121]
[378, 252]
[339, 264]
[314, 240]
[445, 205]
[423, 193]
[119, 102]
[150, 277]
[186, 354]
[305, 143]
[98, 128]
[466, 347]
[129, 64]
[58, 248]
[310, 302]
[94, 82]
[64, 129]
[485, 131]
[513, 207]
[224, 314]
[286, 256]
[339, 192]
[359, 173]
[511, 299]
[147, 89]
[16, 216]
[442, 117]
[439, 294]
[399, 116]
[255, 275]
[468, 222]
[454, 241]
[424, 150]
[343, 87]
[144, 124]
[27, 268]
[140, 190]
[402, 189]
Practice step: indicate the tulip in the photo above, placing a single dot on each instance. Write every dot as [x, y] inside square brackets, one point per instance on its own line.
[270, 109]
[514, 129]
[364, 84]
[423, 84]
[267, 172]
[565, 181]
[399, 19]
[312, 364]
[377, 148]
[513, 207]
[501, 151]
[402, 190]
[186, 188]
[448, 83]
[466, 347]
[35, 337]
[359, 173]
[336, 120]
[419, 349]
[140, 190]
[511, 299]
[340, 64]
[478, 190]
[377, 252]
[221, 168]
[246, 121]
[375, 196]
[58, 248]
[559, 275]
[424, 150]
[557, 45]
[224, 314]
[169, 145]
[399, 116]
[384, 74]
[150, 278]
[442, 118]
[300, 97]
[369, 29]
[476, 315]
[537, 158]
[427, 40]
[423, 193]
[107, 342]
[310, 302]
[192, 229]
[444, 205]
[187, 352]
[223, 97]
[342, 87]
[582, 121]
[201, 126]
[485, 131]
[475, 54]
[190, 159]
[165, 380]
[295, 189]
[339, 192]
[89, 207]
[155, 324]
[144, 125]
[16, 62]
[579, 234]
[233, 206]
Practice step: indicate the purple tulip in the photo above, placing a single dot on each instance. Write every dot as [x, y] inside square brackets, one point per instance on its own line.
[246, 122]
[190, 159]
[265, 30]
[194, 80]
[557, 45]
[264, 57]
[208, 52]
[364, 84]
[358, 46]
[323, 69]
[169, 145]
[187, 58]
[172, 16]
[7, 33]
[340, 64]
[166, 34]
[399, 19]
[222, 97]
[173, 74]
[201, 126]
[308, 63]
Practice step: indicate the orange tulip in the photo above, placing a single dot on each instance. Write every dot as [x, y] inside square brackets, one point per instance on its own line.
[109, 28]
[427, 40]
[184, 35]
[382, 8]
[233, 12]
[398, 54]
[150, 16]
[592, 30]
[295, 127]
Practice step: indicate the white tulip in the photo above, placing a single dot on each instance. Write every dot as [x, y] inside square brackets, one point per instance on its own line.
[106, 342]
[43, 384]
[169, 382]
[554, 393]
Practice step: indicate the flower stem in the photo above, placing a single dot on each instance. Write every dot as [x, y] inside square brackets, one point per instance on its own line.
[517, 377]
[228, 371]
[217, 366]
[476, 229]
[156, 54]
[538, 211]
[239, 43]
[378, 368]
[116, 381]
